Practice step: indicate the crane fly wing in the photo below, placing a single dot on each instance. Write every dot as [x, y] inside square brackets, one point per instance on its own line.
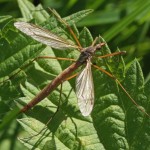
[85, 90]
[44, 36]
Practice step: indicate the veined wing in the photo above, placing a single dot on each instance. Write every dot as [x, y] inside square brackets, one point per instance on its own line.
[85, 90]
[44, 36]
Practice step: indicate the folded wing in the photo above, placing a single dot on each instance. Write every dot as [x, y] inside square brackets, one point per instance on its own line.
[85, 90]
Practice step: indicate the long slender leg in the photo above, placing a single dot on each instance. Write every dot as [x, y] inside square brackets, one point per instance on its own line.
[37, 58]
[113, 77]
[20, 69]
[112, 54]
[69, 28]
[71, 77]
[51, 118]
[58, 58]
[59, 103]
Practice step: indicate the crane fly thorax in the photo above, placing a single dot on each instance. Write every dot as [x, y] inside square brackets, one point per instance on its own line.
[86, 54]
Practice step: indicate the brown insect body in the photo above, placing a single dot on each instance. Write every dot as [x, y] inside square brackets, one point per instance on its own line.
[86, 53]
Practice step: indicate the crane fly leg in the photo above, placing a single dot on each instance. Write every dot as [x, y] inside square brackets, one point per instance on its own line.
[112, 54]
[67, 25]
[114, 78]
[49, 120]
[71, 77]
[58, 58]
[36, 59]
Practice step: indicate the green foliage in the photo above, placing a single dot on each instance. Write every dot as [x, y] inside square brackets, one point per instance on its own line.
[115, 123]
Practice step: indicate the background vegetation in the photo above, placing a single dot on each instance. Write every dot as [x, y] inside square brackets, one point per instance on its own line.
[123, 24]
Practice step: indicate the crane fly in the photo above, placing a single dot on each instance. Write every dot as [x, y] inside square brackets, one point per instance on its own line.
[84, 80]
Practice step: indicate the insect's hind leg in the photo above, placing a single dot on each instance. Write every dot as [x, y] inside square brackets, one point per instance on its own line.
[67, 25]
[44, 129]
[112, 54]
[35, 59]
[114, 78]
[58, 58]
[10, 77]
[58, 107]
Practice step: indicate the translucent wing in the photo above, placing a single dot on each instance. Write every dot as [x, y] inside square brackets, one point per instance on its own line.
[44, 36]
[85, 90]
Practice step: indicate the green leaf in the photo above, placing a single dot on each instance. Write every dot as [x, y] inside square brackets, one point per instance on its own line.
[16, 51]
[100, 17]
[26, 9]
[85, 38]
[115, 122]
[8, 117]
[137, 128]
[74, 18]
